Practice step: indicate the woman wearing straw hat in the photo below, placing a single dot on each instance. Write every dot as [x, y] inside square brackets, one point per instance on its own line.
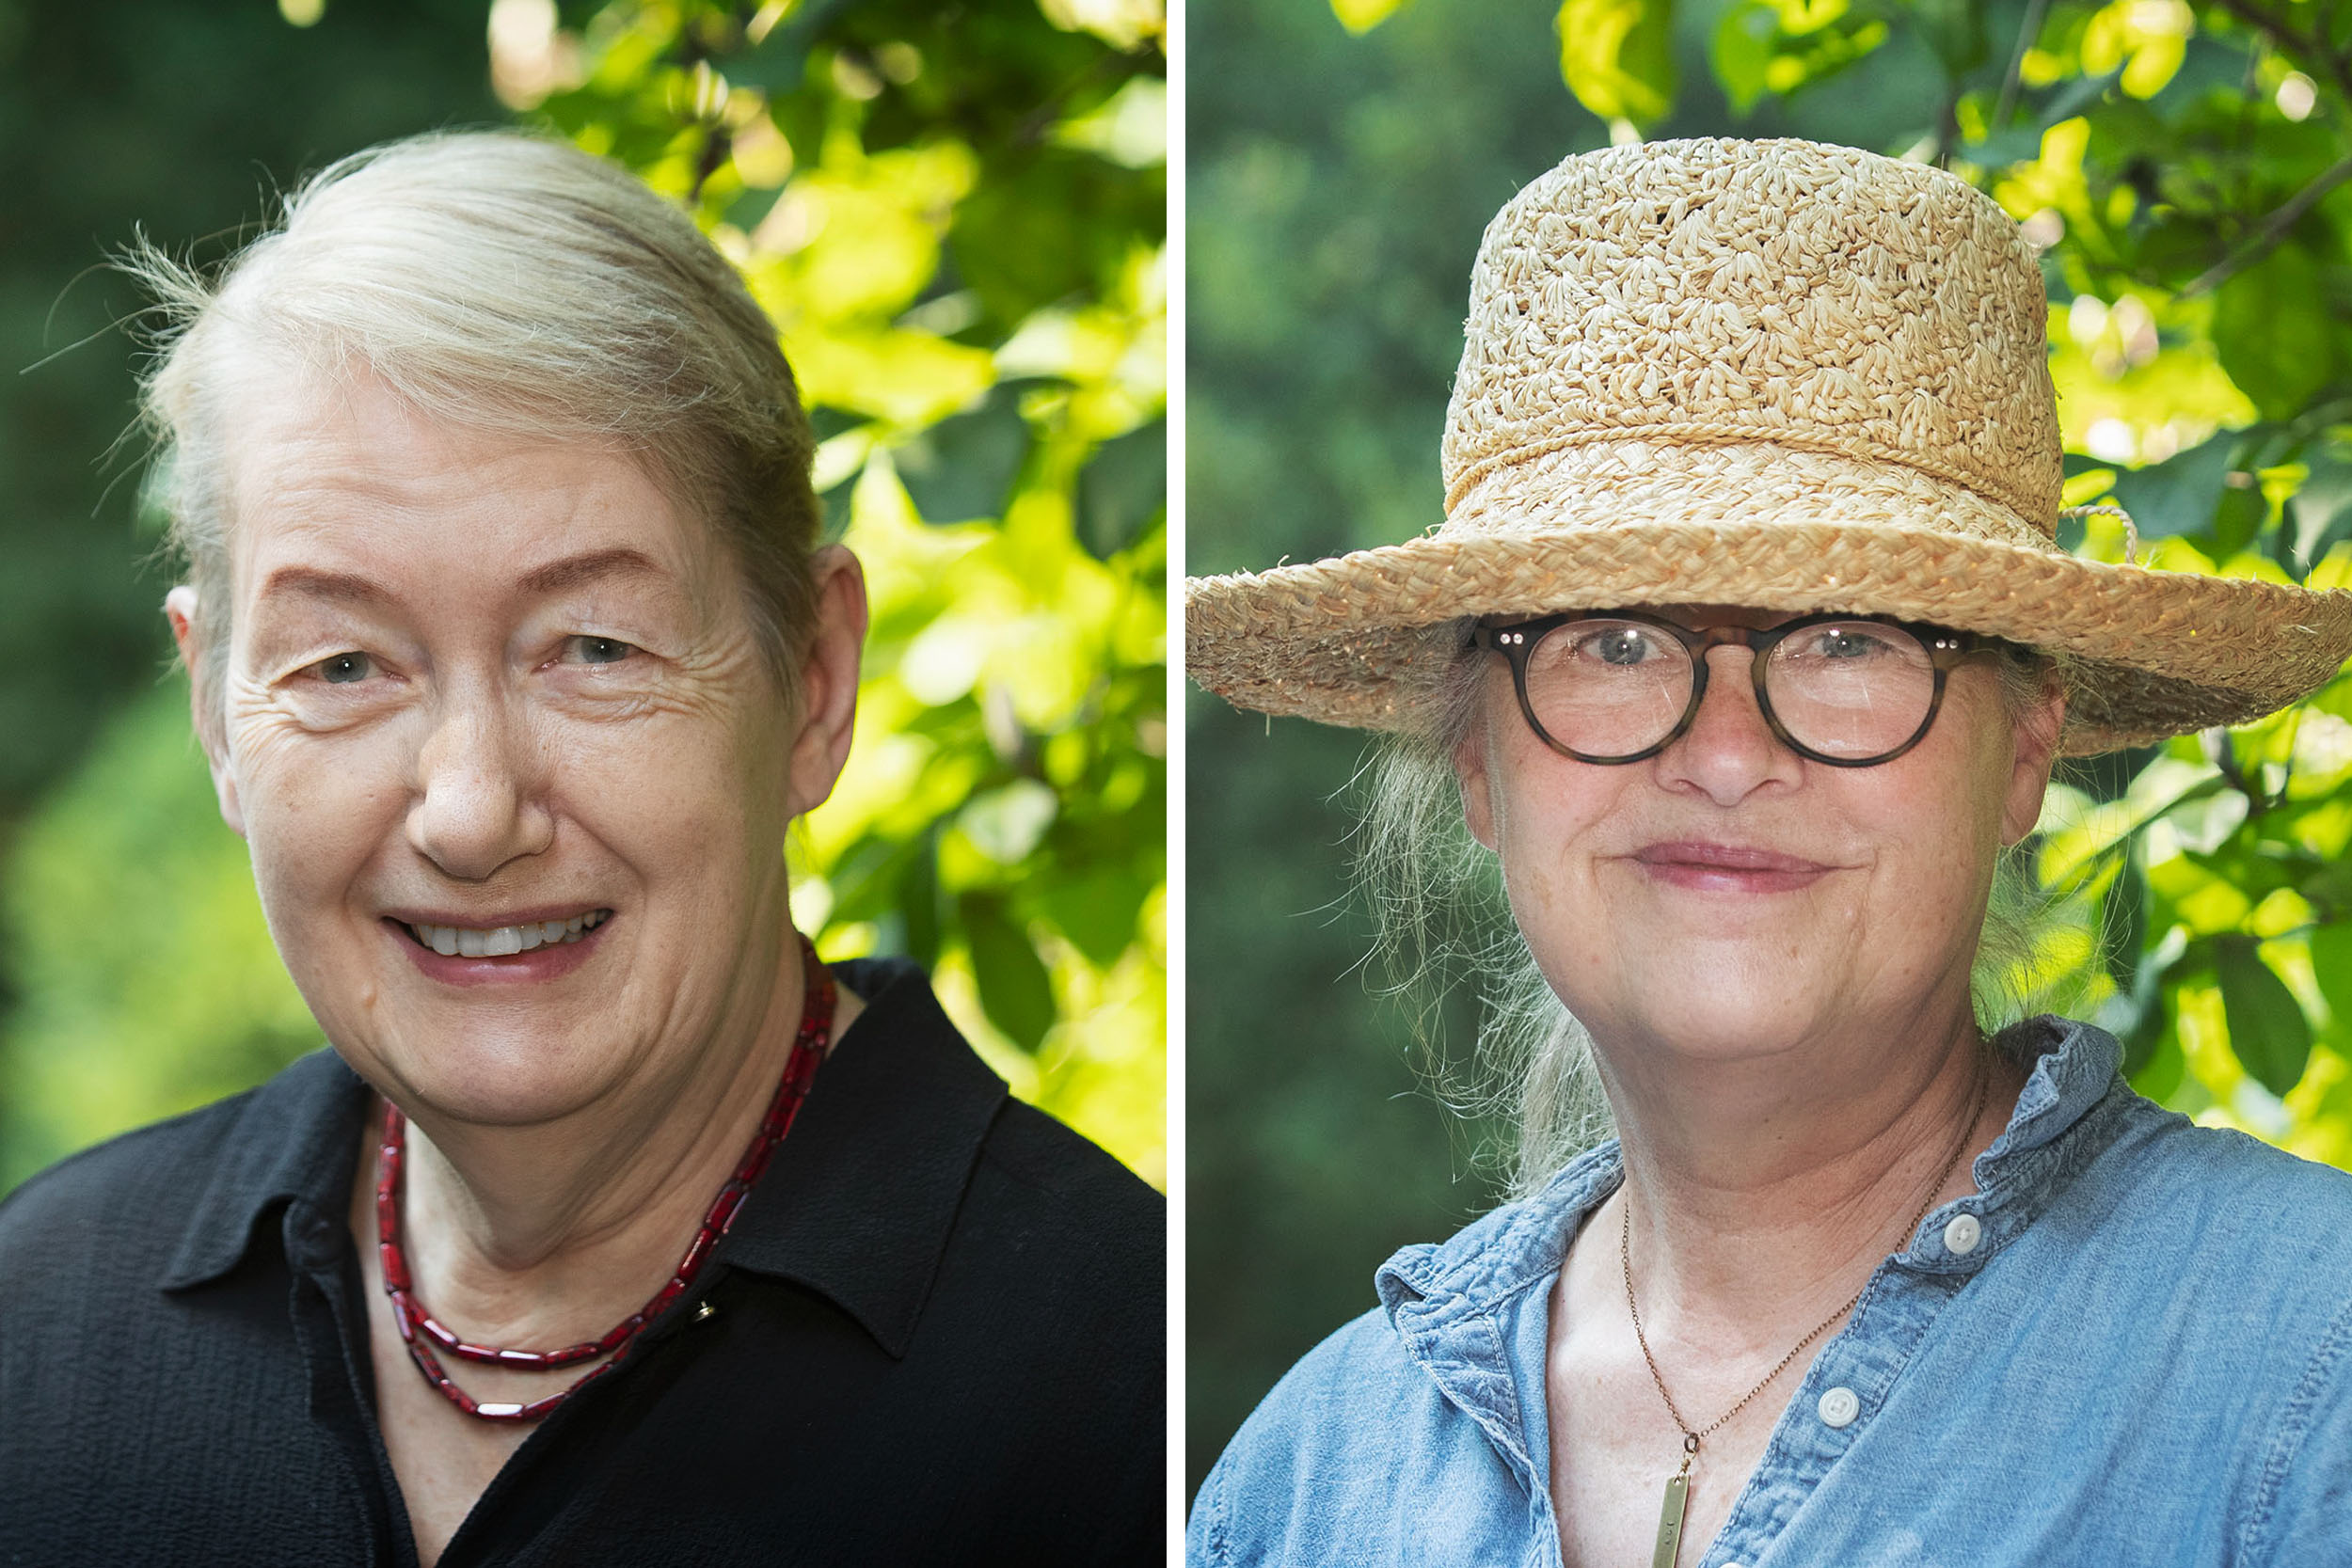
[1743, 650]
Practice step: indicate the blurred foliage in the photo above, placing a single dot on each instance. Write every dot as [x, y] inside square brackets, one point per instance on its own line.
[956, 214]
[166, 113]
[2184, 168]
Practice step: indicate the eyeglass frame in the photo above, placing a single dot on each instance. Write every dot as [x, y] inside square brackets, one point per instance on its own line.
[1516, 639]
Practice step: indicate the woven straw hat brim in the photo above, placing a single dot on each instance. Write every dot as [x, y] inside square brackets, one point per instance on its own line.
[1780, 375]
[1365, 639]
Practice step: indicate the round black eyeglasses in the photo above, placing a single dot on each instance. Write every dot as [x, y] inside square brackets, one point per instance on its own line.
[1620, 686]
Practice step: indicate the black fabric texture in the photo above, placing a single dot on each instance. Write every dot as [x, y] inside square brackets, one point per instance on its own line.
[937, 1337]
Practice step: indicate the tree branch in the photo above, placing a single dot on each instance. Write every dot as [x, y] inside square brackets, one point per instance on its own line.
[2316, 50]
[2026, 35]
[2272, 228]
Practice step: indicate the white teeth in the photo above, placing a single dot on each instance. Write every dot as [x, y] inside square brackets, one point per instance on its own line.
[502, 940]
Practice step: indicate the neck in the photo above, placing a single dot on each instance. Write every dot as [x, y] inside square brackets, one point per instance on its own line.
[1764, 1190]
[543, 1235]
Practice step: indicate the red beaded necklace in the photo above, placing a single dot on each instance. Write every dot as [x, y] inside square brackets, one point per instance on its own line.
[420, 1330]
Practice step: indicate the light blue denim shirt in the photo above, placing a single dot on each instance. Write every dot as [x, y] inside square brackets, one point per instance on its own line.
[2142, 1355]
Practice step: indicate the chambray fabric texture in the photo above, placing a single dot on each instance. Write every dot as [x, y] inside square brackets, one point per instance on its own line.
[938, 1335]
[2145, 1359]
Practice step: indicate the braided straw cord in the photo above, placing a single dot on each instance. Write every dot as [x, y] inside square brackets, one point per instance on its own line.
[1772, 373]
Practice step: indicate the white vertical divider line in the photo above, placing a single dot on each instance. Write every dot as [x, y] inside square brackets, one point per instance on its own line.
[1176, 891]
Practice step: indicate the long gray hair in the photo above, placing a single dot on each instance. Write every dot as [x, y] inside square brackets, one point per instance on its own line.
[1441, 921]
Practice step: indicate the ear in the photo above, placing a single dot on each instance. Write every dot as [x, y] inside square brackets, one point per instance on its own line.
[828, 675]
[1471, 771]
[2035, 742]
[203, 704]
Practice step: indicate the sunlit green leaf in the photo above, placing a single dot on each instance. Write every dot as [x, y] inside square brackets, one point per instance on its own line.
[2181, 494]
[2321, 509]
[2332, 964]
[2275, 333]
[1014, 987]
[1743, 50]
[1616, 55]
[1098, 910]
[1006, 823]
[2268, 1031]
[1362, 16]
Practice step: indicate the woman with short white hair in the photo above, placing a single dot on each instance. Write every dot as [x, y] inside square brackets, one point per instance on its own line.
[1745, 649]
[615, 1227]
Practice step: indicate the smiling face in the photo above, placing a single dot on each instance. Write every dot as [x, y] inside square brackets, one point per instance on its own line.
[1728, 900]
[492, 697]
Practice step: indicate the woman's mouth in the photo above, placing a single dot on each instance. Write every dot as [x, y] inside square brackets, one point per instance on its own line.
[1728, 867]
[499, 941]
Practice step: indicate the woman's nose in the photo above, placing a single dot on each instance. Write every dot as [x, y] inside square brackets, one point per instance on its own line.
[478, 802]
[1729, 751]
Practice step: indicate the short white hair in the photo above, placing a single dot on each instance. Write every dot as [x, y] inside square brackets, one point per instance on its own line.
[500, 283]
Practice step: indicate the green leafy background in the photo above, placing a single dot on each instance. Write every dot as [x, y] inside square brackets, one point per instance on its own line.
[2188, 169]
[956, 214]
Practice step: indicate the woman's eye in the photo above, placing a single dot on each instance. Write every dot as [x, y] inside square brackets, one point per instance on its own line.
[600, 650]
[1620, 645]
[344, 669]
[1849, 642]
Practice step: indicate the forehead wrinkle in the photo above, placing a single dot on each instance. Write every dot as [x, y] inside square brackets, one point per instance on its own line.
[344, 497]
[347, 453]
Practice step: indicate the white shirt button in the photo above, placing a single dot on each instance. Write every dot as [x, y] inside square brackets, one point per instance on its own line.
[1839, 1406]
[1963, 1234]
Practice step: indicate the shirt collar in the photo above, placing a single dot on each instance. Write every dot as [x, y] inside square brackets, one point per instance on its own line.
[856, 1204]
[2074, 1080]
[295, 1138]
[859, 1199]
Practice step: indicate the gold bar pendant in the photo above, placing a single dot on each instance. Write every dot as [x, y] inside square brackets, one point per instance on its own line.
[1670, 1522]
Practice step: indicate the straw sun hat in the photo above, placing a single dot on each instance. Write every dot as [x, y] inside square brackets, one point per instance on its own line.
[1772, 374]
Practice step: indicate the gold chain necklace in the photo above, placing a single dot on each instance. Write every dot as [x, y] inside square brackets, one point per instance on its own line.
[1669, 1546]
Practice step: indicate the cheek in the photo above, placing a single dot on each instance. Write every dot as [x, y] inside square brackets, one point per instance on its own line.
[1547, 807]
[316, 809]
[1950, 818]
[1936, 836]
[690, 796]
[1546, 817]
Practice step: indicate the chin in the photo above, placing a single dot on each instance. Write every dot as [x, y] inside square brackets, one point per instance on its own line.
[1750, 1037]
[1711, 1018]
[495, 1078]
[1723, 998]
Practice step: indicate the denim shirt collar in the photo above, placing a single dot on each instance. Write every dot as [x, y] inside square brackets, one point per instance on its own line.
[1470, 1309]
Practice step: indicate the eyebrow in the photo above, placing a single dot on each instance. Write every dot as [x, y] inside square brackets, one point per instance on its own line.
[312, 583]
[576, 569]
[572, 570]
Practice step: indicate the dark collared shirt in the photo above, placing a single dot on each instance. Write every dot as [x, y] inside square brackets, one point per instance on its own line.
[937, 1337]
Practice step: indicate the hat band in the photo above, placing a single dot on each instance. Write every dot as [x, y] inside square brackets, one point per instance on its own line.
[1610, 483]
[1732, 432]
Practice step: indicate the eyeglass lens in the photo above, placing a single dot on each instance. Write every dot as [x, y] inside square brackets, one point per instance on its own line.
[1844, 688]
